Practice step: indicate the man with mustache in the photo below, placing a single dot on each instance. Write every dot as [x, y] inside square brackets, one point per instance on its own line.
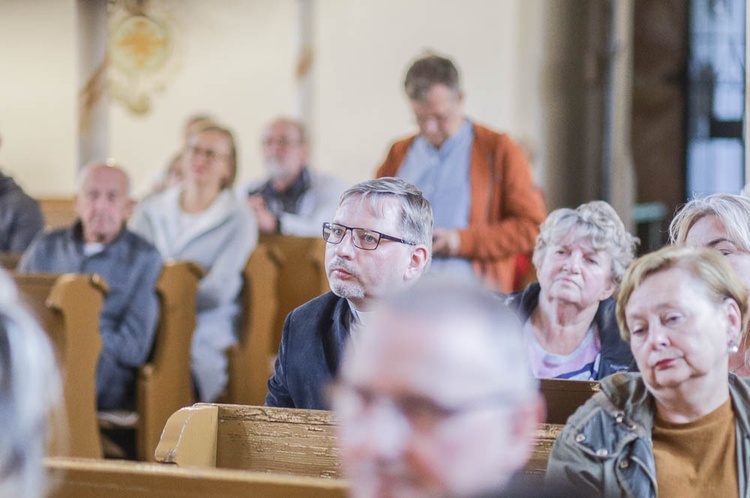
[99, 243]
[379, 242]
[294, 199]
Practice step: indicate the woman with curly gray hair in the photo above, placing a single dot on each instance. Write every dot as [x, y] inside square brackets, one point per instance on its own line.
[569, 315]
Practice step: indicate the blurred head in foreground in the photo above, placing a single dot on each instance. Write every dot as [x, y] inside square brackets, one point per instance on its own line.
[434, 396]
[29, 393]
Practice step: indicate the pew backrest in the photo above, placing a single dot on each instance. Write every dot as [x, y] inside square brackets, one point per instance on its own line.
[282, 273]
[165, 382]
[302, 274]
[79, 478]
[563, 397]
[278, 440]
[58, 211]
[546, 435]
[249, 358]
[67, 307]
[9, 260]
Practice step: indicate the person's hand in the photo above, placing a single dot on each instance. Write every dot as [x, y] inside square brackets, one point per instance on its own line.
[446, 242]
[267, 221]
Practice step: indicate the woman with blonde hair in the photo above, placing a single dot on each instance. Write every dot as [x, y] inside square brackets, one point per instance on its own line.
[720, 222]
[201, 220]
[680, 427]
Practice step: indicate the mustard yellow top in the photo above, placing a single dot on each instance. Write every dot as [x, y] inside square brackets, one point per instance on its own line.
[698, 458]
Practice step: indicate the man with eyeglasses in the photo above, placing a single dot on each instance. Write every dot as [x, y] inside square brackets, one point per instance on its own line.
[478, 181]
[378, 243]
[294, 199]
[436, 398]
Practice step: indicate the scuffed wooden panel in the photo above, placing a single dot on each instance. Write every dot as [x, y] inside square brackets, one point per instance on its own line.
[299, 442]
[545, 438]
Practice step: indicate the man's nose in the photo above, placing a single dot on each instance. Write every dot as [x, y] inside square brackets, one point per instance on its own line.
[429, 126]
[346, 248]
[383, 430]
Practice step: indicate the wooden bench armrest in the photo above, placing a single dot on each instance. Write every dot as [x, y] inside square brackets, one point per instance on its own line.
[189, 438]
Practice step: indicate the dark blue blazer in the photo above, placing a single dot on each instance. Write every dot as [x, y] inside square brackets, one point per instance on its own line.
[311, 347]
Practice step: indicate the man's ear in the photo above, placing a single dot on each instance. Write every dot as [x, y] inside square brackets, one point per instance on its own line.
[417, 262]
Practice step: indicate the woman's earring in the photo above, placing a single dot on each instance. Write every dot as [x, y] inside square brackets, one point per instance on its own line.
[733, 347]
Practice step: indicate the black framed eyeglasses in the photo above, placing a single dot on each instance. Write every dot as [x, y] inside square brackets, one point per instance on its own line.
[362, 238]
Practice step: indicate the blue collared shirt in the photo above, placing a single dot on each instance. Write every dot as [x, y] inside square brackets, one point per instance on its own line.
[443, 177]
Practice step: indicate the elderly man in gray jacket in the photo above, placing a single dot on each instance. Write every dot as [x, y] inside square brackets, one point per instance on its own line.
[99, 243]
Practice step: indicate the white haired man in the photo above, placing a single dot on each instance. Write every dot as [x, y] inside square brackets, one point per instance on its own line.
[99, 243]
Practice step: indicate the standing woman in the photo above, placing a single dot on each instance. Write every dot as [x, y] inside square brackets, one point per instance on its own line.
[720, 222]
[681, 427]
[202, 221]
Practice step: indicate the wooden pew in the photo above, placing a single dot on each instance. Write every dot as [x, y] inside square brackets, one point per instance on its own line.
[545, 437]
[302, 273]
[249, 358]
[67, 307]
[164, 383]
[9, 260]
[78, 478]
[563, 397]
[277, 440]
[282, 273]
[58, 212]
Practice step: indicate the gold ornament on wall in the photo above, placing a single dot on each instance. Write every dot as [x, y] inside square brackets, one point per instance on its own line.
[143, 53]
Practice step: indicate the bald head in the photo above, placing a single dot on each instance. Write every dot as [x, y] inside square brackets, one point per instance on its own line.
[103, 201]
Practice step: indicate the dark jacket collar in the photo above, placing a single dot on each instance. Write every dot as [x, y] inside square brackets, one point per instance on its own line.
[616, 354]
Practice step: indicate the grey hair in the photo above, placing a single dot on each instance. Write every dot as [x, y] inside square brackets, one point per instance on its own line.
[598, 223]
[439, 297]
[29, 394]
[733, 211]
[84, 172]
[415, 212]
[295, 123]
[427, 71]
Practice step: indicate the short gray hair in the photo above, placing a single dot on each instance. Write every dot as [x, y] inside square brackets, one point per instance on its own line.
[733, 211]
[29, 393]
[415, 212]
[600, 225]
